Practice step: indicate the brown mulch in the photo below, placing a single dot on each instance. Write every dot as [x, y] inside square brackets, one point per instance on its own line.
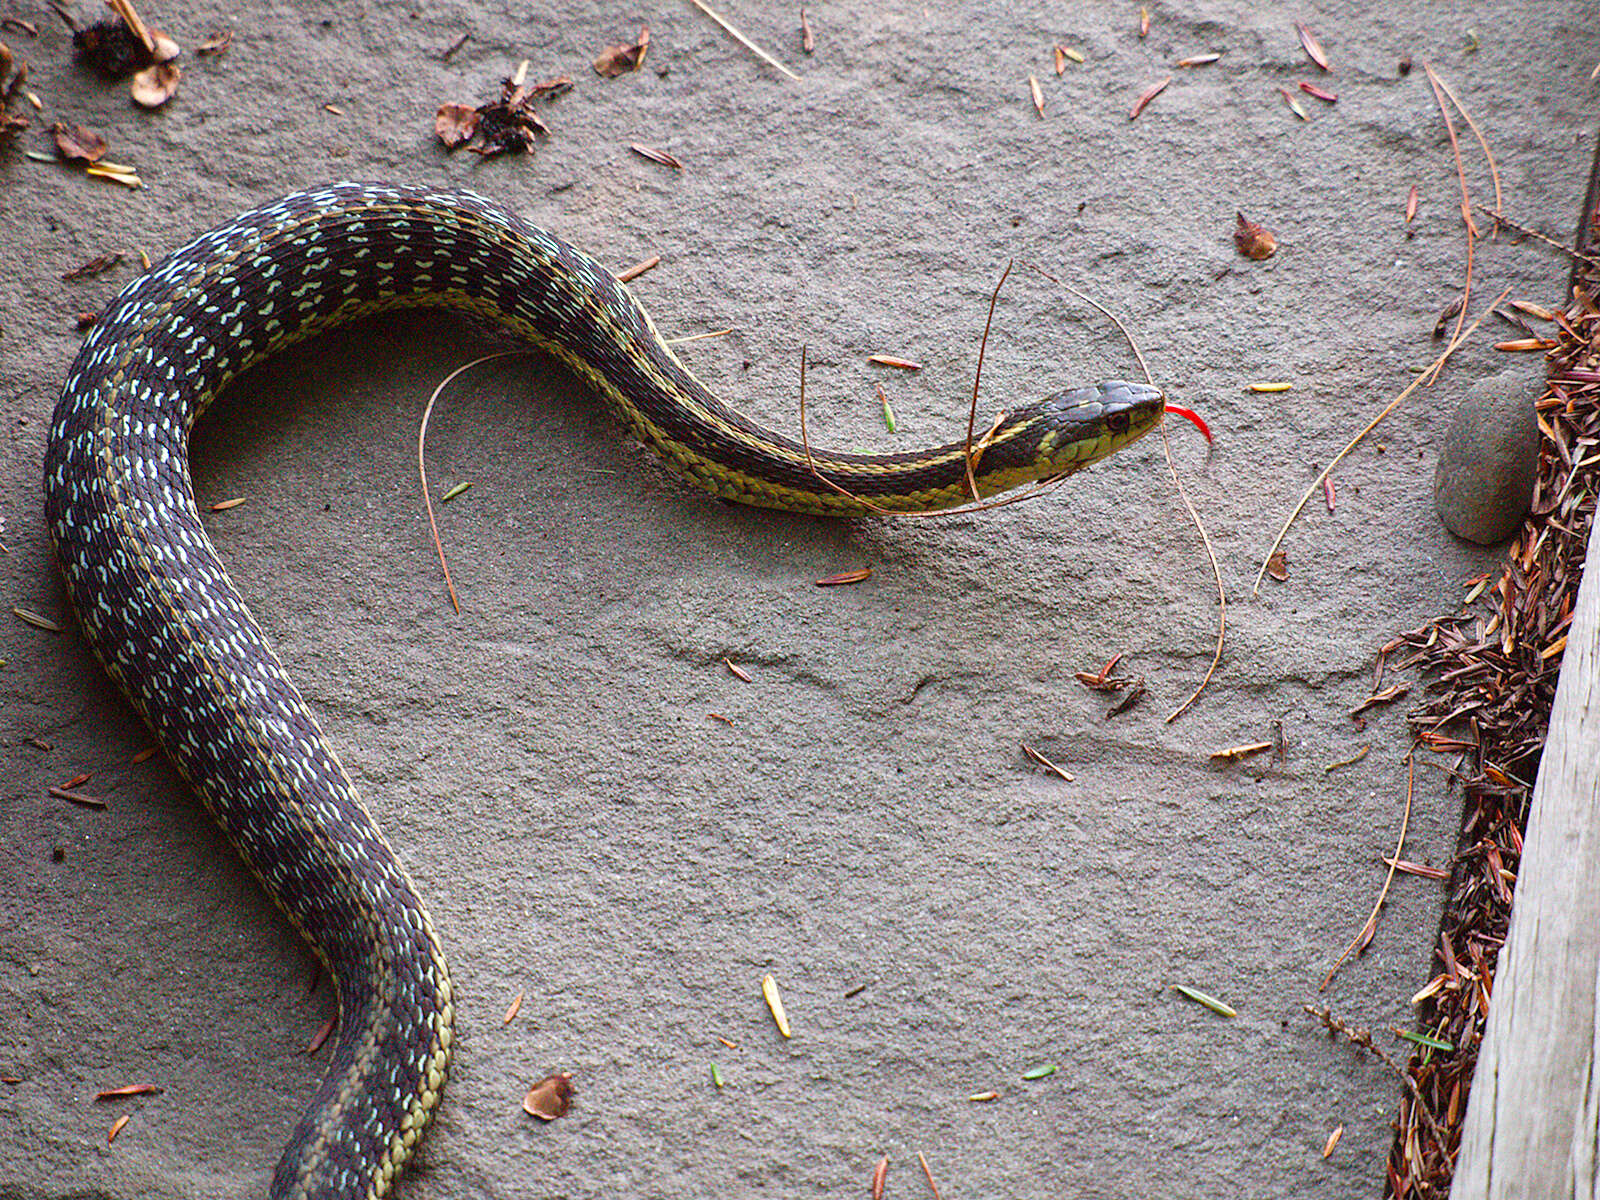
[1494, 669]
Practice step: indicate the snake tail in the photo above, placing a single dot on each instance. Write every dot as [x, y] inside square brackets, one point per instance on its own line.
[159, 610]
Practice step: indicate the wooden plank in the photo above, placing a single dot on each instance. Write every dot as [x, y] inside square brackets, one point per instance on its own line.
[1534, 1113]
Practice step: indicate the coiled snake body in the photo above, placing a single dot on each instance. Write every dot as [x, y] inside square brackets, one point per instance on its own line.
[162, 615]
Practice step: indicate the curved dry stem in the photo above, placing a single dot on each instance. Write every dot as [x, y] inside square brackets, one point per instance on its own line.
[422, 464]
[1371, 425]
[1367, 930]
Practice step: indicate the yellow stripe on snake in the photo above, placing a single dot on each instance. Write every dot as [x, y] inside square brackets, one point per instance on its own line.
[162, 615]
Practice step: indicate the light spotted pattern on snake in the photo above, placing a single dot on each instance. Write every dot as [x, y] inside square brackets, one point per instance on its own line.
[161, 613]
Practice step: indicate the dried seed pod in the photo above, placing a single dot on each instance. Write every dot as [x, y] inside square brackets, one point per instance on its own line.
[1254, 241]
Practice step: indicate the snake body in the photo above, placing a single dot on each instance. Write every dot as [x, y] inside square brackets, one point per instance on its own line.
[160, 612]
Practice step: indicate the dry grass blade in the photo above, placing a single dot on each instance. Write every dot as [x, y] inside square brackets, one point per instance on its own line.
[1316, 483]
[1494, 171]
[1361, 939]
[422, 462]
[1466, 202]
[741, 39]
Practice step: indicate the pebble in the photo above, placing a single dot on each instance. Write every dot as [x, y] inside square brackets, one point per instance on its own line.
[1484, 482]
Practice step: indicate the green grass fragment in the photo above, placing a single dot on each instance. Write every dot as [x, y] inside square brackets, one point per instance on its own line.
[1423, 1039]
[454, 492]
[716, 1076]
[1040, 1072]
[1199, 997]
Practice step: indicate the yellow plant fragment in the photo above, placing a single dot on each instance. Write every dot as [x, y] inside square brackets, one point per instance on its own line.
[769, 990]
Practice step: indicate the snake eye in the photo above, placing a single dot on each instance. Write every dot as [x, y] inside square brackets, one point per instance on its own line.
[1117, 422]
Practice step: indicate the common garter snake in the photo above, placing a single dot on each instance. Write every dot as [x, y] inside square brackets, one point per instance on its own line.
[160, 612]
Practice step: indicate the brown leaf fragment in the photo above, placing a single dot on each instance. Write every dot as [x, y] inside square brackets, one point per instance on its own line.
[887, 360]
[231, 502]
[620, 59]
[1061, 62]
[97, 264]
[807, 42]
[1421, 870]
[1144, 32]
[1038, 96]
[1333, 1140]
[77, 144]
[737, 671]
[455, 124]
[1254, 241]
[1411, 204]
[132, 1089]
[116, 1127]
[880, 1175]
[322, 1035]
[1327, 491]
[77, 780]
[145, 755]
[1197, 60]
[843, 577]
[511, 1013]
[1526, 344]
[1313, 48]
[1235, 753]
[154, 86]
[1317, 93]
[1533, 310]
[654, 155]
[1149, 94]
[1393, 692]
[1295, 106]
[550, 1097]
[638, 269]
[1045, 762]
[217, 43]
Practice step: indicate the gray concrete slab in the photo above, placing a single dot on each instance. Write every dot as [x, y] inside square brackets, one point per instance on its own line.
[547, 762]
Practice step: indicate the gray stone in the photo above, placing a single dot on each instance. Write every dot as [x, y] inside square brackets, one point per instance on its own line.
[1484, 482]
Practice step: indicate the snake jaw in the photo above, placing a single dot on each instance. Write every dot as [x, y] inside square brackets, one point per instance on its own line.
[1085, 424]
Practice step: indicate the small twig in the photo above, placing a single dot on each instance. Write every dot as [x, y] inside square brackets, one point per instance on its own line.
[929, 1174]
[1502, 219]
[977, 376]
[741, 39]
[1371, 425]
[697, 337]
[1466, 203]
[422, 464]
[1367, 930]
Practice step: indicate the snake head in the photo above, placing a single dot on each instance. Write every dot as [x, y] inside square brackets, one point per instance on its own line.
[1084, 424]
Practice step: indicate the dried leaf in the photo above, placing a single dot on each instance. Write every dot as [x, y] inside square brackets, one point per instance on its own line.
[1038, 96]
[28, 617]
[77, 144]
[1314, 91]
[1235, 753]
[880, 1174]
[1294, 105]
[855, 576]
[322, 1034]
[132, 1089]
[1525, 344]
[217, 43]
[1197, 60]
[736, 670]
[807, 42]
[654, 155]
[154, 86]
[769, 990]
[77, 797]
[97, 264]
[455, 124]
[550, 1097]
[1045, 762]
[231, 502]
[511, 1013]
[1327, 490]
[116, 1127]
[1149, 94]
[1311, 46]
[1042, 1071]
[1061, 62]
[1254, 241]
[885, 360]
[1411, 206]
[619, 60]
[1333, 1140]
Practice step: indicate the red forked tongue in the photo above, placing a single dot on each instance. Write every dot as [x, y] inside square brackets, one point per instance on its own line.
[1188, 414]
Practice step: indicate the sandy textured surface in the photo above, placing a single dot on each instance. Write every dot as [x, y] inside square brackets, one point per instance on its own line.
[940, 914]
